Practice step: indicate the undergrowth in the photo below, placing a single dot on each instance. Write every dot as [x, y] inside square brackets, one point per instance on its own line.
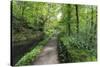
[77, 49]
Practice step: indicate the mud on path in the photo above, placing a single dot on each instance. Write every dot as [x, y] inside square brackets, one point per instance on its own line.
[49, 55]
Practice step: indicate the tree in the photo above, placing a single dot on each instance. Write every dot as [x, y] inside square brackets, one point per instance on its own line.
[77, 18]
[69, 19]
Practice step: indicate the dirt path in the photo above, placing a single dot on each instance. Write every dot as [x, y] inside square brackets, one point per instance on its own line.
[49, 54]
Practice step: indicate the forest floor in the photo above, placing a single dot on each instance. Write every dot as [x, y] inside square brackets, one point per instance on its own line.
[49, 54]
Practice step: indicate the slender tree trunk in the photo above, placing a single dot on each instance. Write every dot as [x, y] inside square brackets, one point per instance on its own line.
[23, 8]
[91, 16]
[69, 19]
[77, 18]
[92, 25]
[69, 29]
[95, 27]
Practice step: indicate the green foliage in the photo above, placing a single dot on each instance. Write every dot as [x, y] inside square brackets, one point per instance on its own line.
[79, 49]
[32, 16]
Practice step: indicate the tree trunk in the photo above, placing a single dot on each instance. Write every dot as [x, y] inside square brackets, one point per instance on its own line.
[23, 8]
[69, 32]
[77, 18]
[69, 19]
[92, 25]
[91, 16]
